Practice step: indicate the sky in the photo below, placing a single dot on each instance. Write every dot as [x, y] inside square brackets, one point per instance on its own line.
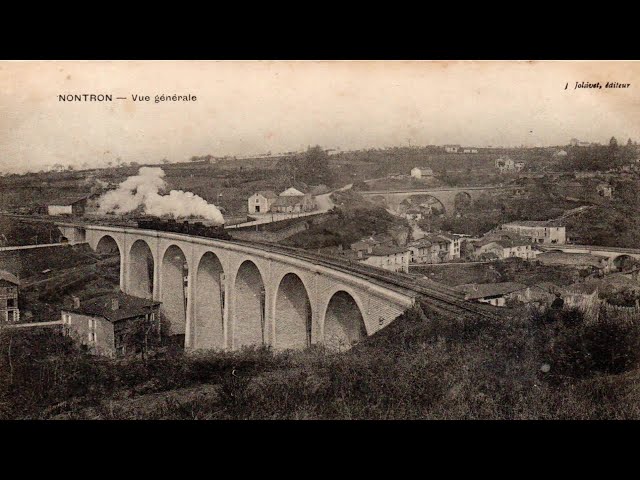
[253, 107]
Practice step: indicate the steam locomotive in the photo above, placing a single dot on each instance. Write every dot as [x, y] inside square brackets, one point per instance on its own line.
[190, 228]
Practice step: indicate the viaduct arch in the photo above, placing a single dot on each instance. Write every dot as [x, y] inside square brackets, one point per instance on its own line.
[226, 295]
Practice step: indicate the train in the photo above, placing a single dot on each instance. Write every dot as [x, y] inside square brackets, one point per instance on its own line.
[198, 229]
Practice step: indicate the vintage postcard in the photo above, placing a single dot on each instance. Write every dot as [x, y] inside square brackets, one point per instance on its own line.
[319, 240]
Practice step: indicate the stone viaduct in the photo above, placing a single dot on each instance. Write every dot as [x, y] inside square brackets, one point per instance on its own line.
[447, 196]
[615, 255]
[225, 295]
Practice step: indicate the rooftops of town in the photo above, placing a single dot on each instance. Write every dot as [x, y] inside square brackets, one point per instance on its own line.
[292, 192]
[475, 291]
[534, 223]
[267, 193]
[114, 307]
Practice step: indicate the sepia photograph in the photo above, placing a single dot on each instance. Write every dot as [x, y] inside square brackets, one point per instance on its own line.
[319, 240]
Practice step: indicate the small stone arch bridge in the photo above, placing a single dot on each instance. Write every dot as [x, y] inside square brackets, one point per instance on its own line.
[228, 294]
[615, 255]
[446, 196]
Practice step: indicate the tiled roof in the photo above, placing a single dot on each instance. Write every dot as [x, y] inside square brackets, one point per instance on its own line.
[128, 307]
[291, 192]
[287, 201]
[534, 223]
[267, 194]
[68, 200]
[475, 291]
[382, 251]
[9, 277]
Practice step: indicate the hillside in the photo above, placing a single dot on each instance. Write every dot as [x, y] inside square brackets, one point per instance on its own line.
[420, 367]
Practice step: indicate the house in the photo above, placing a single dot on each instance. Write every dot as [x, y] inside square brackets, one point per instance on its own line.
[505, 164]
[435, 248]
[68, 206]
[496, 294]
[577, 143]
[519, 166]
[395, 259]
[419, 172]
[366, 244]
[451, 148]
[292, 192]
[9, 310]
[470, 150]
[538, 231]
[605, 190]
[503, 248]
[293, 204]
[113, 325]
[260, 202]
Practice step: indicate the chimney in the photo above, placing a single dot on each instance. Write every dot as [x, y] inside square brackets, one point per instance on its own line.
[359, 253]
[114, 304]
[76, 302]
[369, 249]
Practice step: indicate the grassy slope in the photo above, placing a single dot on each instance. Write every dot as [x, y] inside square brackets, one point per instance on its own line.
[421, 366]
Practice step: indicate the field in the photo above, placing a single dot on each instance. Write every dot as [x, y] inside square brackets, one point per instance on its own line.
[420, 367]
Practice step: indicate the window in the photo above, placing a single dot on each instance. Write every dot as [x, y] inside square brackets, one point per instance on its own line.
[92, 330]
[11, 302]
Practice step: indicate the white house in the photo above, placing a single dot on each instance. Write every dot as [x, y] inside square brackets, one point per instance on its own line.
[261, 202]
[452, 148]
[538, 231]
[395, 259]
[292, 192]
[419, 172]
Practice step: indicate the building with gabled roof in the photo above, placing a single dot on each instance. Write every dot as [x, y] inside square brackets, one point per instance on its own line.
[493, 293]
[261, 201]
[113, 325]
[9, 308]
[292, 192]
[395, 259]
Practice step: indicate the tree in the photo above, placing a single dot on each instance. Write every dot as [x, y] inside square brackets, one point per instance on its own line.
[613, 143]
[313, 167]
[165, 161]
[629, 143]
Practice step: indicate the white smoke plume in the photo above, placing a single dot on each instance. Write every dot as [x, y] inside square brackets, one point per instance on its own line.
[144, 190]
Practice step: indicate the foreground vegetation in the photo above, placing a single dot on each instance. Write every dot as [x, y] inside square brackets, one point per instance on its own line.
[422, 366]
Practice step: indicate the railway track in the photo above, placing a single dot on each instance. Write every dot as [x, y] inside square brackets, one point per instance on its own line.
[439, 297]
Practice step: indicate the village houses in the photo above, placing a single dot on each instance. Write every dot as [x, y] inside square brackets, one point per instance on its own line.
[546, 232]
[420, 172]
[435, 248]
[113, 325]
[503, 247]
[507, 165]
[451, 148]
[260, 202]
[395, 259]
[496, 294]
[379, 250]
[9, 310]
[289, 201]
